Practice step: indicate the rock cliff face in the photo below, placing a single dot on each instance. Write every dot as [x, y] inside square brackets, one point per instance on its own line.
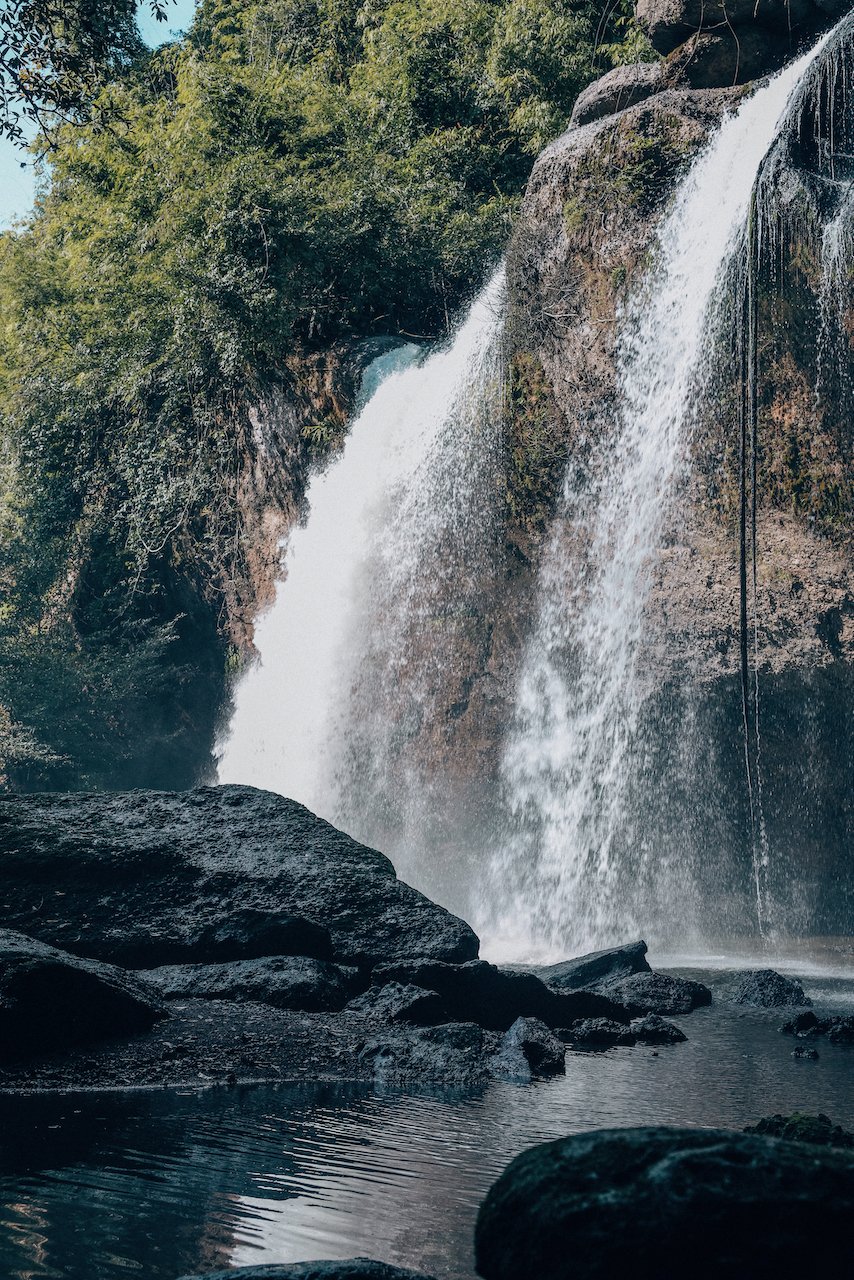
[585, 238]
[584, 243]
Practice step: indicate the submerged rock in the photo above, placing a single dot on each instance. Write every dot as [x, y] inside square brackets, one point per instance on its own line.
[149, 878]
[495, 998]
[52, 1000]
[529, 1049]
[767, 989]
[598, 1033]
[799, 1127]
[348, 1269]
[285, 982]
[596, 968]
[658, 993]
[805, 1051]
[655, 1030]
[660, 1204]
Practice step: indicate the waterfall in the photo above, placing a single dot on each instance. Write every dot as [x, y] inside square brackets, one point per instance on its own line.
[395, 525]
[575, 870]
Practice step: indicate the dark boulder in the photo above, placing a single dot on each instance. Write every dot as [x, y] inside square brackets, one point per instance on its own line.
[595, 968]
[527, 1050]
[669, 23]
[619, 88]
[149, 878]
[841, 1030]
[598, 1033]
[727, 57]
[766, 989]
[805, 1051]
[51, 1000]
[802, 1025]
[658, 993]
[285, 982]
[454, 1054]
[652, 1029]
[398, 1003]
[660, 1204]
[799, 1127]
[348, 1269]
[495, 998]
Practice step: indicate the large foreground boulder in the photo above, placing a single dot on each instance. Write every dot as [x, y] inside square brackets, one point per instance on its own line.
[494, 998]
[662, 1204]
[348, 1269]
[52, 1000]
[150, 878]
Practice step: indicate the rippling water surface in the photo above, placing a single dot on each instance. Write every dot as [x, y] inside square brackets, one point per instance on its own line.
[158, 1183]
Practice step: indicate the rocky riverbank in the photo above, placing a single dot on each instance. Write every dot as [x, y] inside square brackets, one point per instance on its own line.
[228, 935]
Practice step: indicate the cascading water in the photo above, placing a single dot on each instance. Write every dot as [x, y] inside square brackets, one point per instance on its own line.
[367, 654]
[396, 521]
[574, 872]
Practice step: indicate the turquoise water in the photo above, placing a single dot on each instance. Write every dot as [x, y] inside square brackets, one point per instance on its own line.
[157, 1183]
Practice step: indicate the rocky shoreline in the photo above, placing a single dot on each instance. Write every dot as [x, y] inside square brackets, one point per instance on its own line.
[226, 935]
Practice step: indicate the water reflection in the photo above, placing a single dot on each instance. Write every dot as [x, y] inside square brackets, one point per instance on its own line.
[97, 1187]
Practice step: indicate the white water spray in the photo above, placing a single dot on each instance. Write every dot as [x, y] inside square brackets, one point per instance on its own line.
[402, 483]
[569, 877]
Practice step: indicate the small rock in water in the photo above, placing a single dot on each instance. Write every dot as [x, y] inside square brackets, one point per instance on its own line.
[767, 989]
[529, 1049]
[658, 993]
[841, 1031]
[799, 1127]
[802, 1025]
[655, 1030]
[595, 968]
[804, 1051]
[598, 1033]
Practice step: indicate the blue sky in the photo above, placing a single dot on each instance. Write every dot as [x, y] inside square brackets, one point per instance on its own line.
[17, 183]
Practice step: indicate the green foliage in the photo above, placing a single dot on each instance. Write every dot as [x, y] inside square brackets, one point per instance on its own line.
[54, 55]
[295, 172]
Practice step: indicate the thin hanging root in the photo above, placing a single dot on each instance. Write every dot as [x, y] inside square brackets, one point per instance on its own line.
[748, 480]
